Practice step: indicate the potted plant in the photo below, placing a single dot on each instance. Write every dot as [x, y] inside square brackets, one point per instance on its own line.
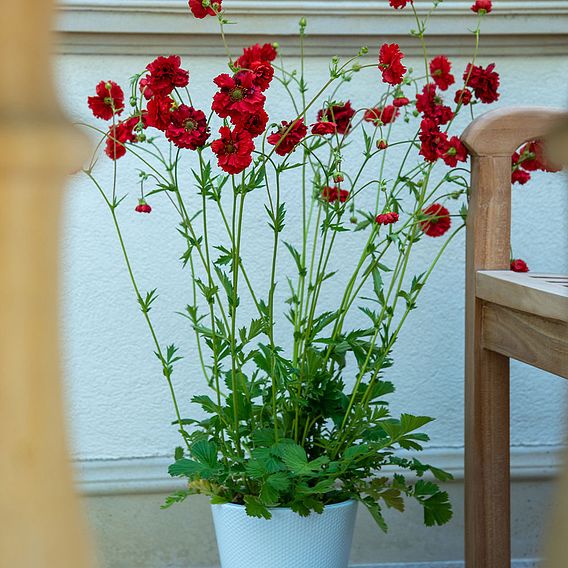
[295, 427]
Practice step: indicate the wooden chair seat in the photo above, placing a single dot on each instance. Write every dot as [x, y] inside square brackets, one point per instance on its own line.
[525, 317]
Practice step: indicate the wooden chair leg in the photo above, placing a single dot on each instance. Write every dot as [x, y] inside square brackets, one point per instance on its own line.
[487, 487]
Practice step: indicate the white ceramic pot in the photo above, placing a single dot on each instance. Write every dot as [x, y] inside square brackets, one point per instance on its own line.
[286, 540]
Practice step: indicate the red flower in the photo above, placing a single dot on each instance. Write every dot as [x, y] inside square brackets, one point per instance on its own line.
[233, 149]
[463, 96]
[333, 193]
[286, 138]
[323, 128]
[400, 102]
[383, 115]
[202, 8]
[440, 68]
[118, 135]
[390, 64]
[482, 6]
[142, 207]
[519, 265]
[432, 140]
[430, 105]
[256, 53]
[238, 95]
[518, 175]
[257, 58]
[341, 114]
[165, 75]
[158, 112]
[532, 158]
[386, 218]
[484, 82]
[188, 128]
[438, 221]
[453, 151]
[399, 3]
[254, 124]
[108, 101]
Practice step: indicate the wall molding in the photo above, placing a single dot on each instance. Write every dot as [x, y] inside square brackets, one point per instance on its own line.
[149, 474]
[516, 27]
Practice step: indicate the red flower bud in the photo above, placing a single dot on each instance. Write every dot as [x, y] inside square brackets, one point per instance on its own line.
[386, 218]
[142, 207]
[519, 265]
[382, 144]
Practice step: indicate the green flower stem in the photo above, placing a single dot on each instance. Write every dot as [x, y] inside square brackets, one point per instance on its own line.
[159, 352]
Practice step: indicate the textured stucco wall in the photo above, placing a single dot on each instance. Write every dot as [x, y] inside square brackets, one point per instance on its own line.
[118, 401]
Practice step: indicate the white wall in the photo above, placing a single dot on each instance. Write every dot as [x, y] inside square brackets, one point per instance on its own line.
[117, 399]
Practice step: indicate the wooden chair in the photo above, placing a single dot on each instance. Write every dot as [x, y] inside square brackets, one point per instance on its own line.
[508, 315]
[40, 519]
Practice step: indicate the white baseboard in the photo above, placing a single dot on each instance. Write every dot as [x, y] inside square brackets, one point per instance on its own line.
[149, 474]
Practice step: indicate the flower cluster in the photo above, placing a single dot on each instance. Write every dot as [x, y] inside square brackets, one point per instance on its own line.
[530, 158]
[285, 427]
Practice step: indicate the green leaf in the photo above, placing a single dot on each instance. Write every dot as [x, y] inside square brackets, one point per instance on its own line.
[295, 458]
[205, 452]
[436, 503]
[178, 453]
[218, 500]
[185, 467]
[254, 508]
[279, 481]
[374, 508]
[176, 497]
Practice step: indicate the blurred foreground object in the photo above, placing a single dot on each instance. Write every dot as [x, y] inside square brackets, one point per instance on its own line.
[556, 551]
[39, 513]
[516, 315]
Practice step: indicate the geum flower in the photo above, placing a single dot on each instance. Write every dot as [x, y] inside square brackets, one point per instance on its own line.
[257, 59]
[440, 68]
[254, 124]
[390, 64]
[118, 135]
[108, 101]
[400, 101]
[437, 220]
[462, 96]
[519, 265]
[341, 114]
[399, 3]
[387, 218]
[484, 82]
[188, 128]
[482, 7]
[238, 95]
[202, 8]
[453, 151]
[331, 194]
[323, 128]
[158, 112]
[233, 150]
[143, 207]
[533, 158]
[165, 74]
[288, 136]
[256, 53]
[381, 115]
[431, 105]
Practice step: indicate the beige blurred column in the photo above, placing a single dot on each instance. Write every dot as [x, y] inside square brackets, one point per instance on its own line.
[556, 549]
[41, 525]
